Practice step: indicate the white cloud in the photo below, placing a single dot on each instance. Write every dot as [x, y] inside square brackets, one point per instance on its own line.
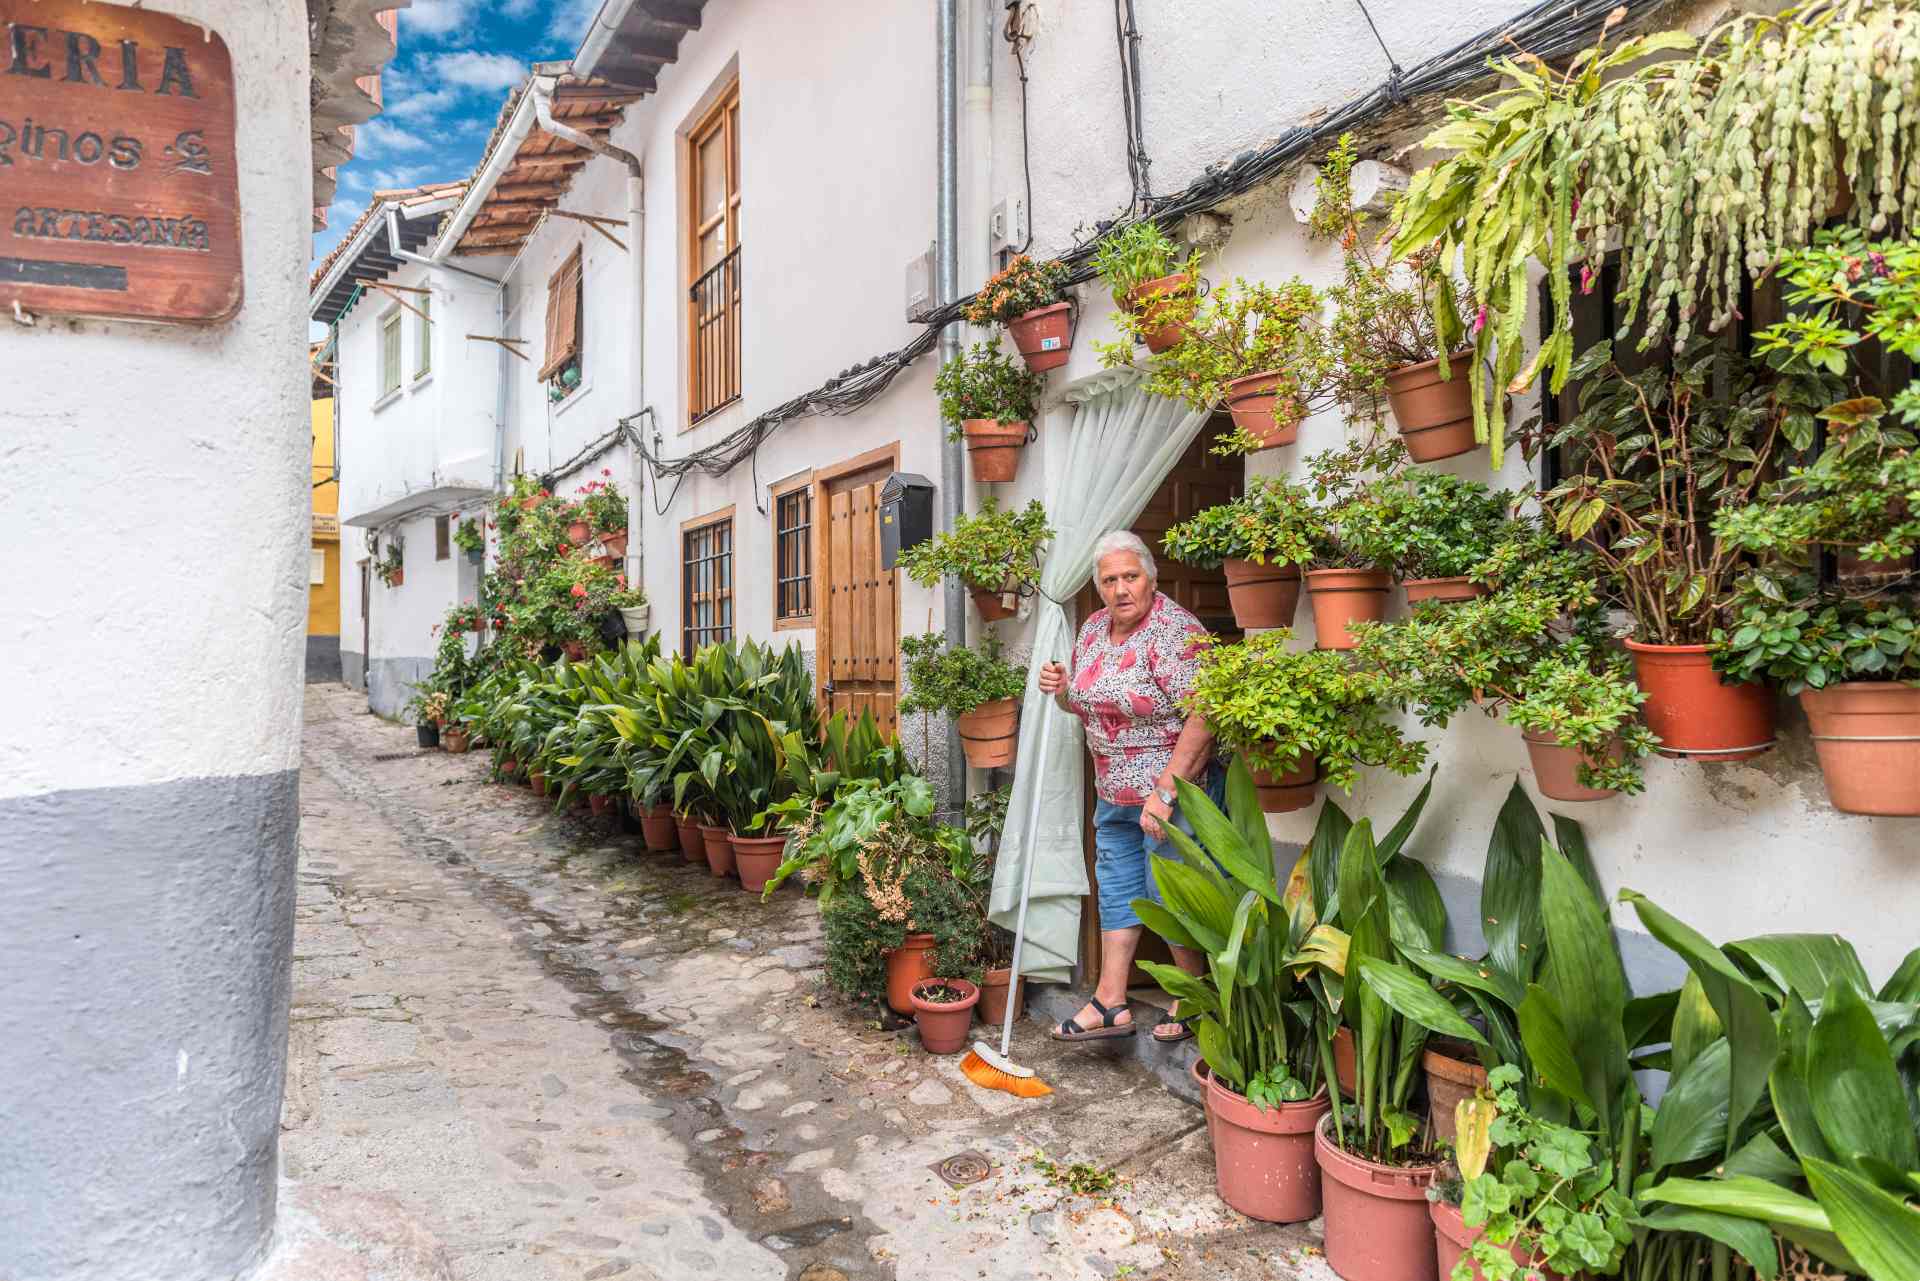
[419, 106]
[435, 18]
[474, 70]
[379, 137]
[518, 8]
[568, 26]
[399, 177]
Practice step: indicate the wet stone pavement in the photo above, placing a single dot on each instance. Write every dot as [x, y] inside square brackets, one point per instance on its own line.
[564, 1057]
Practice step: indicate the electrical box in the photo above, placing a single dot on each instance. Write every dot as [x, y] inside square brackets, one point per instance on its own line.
[906, 515]
[919, 280]
[1007, 224]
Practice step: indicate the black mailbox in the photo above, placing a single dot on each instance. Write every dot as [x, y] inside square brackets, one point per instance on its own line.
[906, 515]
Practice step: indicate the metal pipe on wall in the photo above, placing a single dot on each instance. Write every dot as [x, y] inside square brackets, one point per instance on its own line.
[636, 389]
[946, 289]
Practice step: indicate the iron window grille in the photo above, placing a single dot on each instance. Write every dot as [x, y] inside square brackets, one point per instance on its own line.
[793, 555]
[706, 586]
[713, 310]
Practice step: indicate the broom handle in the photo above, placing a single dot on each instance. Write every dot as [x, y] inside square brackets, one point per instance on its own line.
[1026, 884]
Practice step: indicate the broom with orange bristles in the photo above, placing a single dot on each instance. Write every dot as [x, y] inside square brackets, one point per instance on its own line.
[983, 1066]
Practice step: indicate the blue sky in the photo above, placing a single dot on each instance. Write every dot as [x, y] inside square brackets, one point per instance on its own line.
[443, 90]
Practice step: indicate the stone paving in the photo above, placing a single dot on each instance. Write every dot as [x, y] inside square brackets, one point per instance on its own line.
[566, 1058]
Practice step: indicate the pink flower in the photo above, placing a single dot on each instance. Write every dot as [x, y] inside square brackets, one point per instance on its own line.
[579, 590]
[606, 471]
[1587, 278]
[1479, 319]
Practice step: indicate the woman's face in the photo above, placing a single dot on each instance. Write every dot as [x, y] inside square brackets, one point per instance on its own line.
[1124, 587]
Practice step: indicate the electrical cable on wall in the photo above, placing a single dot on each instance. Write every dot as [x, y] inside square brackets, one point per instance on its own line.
[1018, 37]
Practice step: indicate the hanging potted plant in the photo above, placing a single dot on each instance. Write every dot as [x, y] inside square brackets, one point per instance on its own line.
[1259, 1030]
[995, 553]
[1298, 718]
[976, 687]
[1435, 529]
[1649, 459]
[1154, 283]
[635, 613]
[392, 567]
[992, 403]
[1028, 298]
[468, 538]
[1260, 539]
[604, 509]
[1348, 580]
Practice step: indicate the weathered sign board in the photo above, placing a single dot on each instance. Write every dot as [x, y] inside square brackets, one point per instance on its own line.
[119, 192]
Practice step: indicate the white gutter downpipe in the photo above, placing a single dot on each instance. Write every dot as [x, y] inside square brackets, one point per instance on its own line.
[978, 259]
[946, 290]
[488, 178]
[612, 14]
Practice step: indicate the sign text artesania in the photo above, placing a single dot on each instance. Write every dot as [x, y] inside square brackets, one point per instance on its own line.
[119, 190]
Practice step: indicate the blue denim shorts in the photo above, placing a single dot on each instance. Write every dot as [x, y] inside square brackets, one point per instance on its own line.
[1121, 849]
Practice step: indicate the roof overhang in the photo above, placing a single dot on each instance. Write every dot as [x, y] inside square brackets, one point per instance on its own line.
[350, 41]
[369, 252]
[451, 494]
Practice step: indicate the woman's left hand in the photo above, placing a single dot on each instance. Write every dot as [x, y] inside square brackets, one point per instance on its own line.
[1153, 814]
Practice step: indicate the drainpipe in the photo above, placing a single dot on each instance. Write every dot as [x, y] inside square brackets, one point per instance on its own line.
[946, 290]
[980, 37]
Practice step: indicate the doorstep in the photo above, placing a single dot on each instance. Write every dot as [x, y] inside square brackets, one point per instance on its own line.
[1049, 1003]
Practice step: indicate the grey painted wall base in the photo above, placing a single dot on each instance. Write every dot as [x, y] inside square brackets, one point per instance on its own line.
[146, 939]
[389, 683]
[323, 659]
[1050, 1003]
[353, 669]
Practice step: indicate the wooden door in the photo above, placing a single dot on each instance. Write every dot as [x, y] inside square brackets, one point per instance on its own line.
[1200, 479]
[857, 660]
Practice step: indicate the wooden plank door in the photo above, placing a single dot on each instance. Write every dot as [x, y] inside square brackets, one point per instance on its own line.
[857, 661]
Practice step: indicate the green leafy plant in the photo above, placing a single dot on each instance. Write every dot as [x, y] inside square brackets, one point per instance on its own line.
[1430, 524]
[950, 682]
[1823, 642]
[1273, 523]
[467, 536]
[1023, 286]
[625, 597]
[985, 382]
[1136, 253]
[393, 563]
[993, 550]
[1347, 485]
[910, 875]
[1283, 710]
[602, 505]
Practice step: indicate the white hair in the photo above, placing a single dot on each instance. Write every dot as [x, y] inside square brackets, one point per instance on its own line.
[1121, 540]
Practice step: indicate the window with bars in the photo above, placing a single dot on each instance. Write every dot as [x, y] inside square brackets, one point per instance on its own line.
[713, 258]
[390, 352]
[793, 555]
[706, 584]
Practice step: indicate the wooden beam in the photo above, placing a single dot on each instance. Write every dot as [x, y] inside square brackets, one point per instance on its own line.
[389, 291]
[592, 222]
[505, 343]
[494, 239]
[640, 76]
[406, 289]
[595, 93]
[590, 124]
[671, 13]
[528, 190]
[641, 49]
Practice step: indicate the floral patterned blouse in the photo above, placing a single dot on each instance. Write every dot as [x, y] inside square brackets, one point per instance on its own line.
[1128, 696]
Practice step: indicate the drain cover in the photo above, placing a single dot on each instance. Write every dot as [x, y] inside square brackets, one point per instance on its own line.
[962, 1169]
[401, 756]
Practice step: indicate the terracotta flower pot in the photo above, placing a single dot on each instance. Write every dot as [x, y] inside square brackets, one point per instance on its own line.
[1696, 716]
[1450, 590]
[1202, 1075]
[693, 842]
[1142, 296]
[576, 651]
[907, 965]
[1284, 793]
[944, 1026]
[758, 858]
[1342, 597]
[994, 988]
[509, 768]
[1252, 402]
[1556, 769]
[1263, 1162]
[657, 830]
[1262, 595]
[609, 560]
[1044, 336]
[718, 843]
[1452, 1238]
[537, 781]
[990, 732]
[1344, 1069]
[1377, 1224]
[1451, 1077]
[601, 805]
[993, 605]
[1867, 734]
[993, 448]
[1435, 417]
[616, 544]
[454, 740]
[578, 532]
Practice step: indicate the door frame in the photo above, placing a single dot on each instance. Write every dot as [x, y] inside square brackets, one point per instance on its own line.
[823, 479]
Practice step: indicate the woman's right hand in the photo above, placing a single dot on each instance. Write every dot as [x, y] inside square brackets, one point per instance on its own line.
[1052, 679]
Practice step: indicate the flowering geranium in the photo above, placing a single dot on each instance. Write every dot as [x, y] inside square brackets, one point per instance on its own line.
[1023, 287]
[603, 506]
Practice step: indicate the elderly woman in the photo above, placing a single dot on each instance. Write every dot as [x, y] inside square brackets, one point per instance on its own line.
[1133, 664]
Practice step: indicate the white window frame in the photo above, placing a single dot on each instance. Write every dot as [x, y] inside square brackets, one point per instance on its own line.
[391, 350]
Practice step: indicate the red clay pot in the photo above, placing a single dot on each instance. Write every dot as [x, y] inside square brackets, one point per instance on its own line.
[1142, 296]
[1451, 1077]
[1450, 590]
[1262, 595]
[693, 843]
[1044, 336]
[1556, 769]
[1252, 402]
[907, 965]
[1284, 793]
[576, 651]
[616, 544]
[454, 740]
[1342, 597]
[994, 987]
[718, 844]
[657, 830]
[1435, 418]
[537, 781]
[990, 732]
[993, 448]
[758, 858]
[992, 605]
[944, 1028]
[601, 805]
[1697, 717]
[1452, 1238]
[578, 532]
[1377, 1224]
[1867, 734]
[1263, 1161]
[1344, 1070]
[1202, 1075]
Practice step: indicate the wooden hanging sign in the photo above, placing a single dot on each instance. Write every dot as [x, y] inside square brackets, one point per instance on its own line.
[119, 192]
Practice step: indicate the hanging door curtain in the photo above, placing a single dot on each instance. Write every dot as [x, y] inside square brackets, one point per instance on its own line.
[1122, 445]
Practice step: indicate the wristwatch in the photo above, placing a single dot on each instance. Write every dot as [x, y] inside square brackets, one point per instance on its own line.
[1166, 794]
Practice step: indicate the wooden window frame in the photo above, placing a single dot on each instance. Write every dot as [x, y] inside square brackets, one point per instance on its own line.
[552, 366]
[722, 116]
[390, 373]
[729, 594]
[800, 487]
[423, 339]
[443, 538]
[823, 618]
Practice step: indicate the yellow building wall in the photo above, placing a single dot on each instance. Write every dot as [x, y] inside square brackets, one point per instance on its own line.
[323, 597]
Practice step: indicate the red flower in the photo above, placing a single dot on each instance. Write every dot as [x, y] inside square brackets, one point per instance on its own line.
[579, 589]
[606, 471]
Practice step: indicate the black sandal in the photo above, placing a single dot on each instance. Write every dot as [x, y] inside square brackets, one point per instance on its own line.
[1184, 1034]
[1108, 1030]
